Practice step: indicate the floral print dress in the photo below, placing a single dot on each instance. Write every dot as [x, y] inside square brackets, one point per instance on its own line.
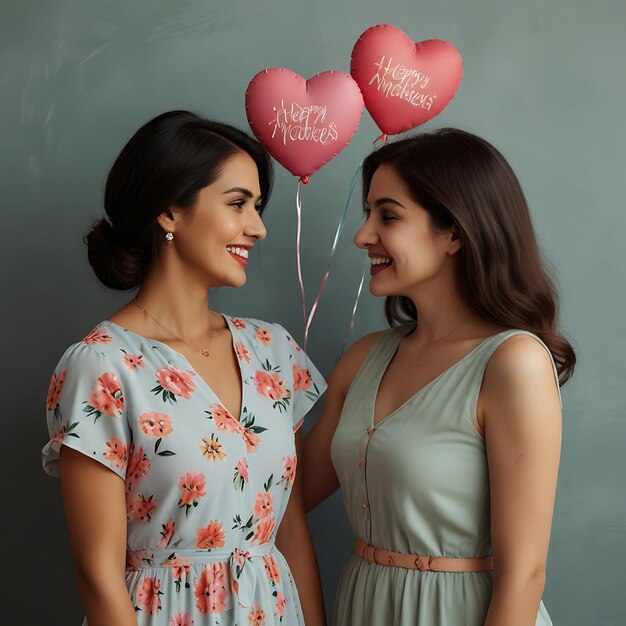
[205, 491]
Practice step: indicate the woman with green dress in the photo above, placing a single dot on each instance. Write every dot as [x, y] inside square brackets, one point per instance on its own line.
[444, 431]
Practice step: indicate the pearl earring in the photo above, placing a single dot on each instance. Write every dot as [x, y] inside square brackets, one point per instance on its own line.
[169, 236]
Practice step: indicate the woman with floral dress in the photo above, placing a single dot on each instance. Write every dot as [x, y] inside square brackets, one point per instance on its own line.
[173, 427]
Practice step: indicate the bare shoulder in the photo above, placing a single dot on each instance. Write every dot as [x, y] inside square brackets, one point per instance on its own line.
[342, 376]
[520, 379]
[519, 358]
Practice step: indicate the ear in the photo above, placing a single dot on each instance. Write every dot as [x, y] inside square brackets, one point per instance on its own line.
[167, 221]
[455, 243]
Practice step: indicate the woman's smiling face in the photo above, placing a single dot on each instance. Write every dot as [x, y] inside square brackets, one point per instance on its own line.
[215, 237]
[401, 241]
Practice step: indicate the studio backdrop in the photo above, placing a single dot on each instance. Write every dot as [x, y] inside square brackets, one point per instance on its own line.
[543, 81]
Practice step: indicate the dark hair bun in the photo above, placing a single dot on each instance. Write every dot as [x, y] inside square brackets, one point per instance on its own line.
[116, 264]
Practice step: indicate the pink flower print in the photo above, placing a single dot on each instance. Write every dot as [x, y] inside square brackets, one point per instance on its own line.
[251, 440]
[138, 558]
[289, 475]
[54, 390]
[264, 336]
[211, 537]
[263, 505]
[301, 378]
[138, 466]
[193, 487]
[107, 396]
[256, 617]
[240, 478]
[116, 453]
[65, 431]
[133, 361]
[241, 556]
[264, 531]
[270, 385]
[175, 382]
[166, 534]
[141, 508]
[180, 569]
[59, 436]
[224, 421]
[210, 589]
[97, 335]
[148, 595]
[271, 568]
[242, 352]
[181, 619]
[157, 425]
[238, 323]
[280, 604]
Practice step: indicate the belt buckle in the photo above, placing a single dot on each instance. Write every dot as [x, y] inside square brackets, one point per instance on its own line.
[422, 563]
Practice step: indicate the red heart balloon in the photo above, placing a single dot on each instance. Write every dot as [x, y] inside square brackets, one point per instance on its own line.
[404, 83]
[302, 123]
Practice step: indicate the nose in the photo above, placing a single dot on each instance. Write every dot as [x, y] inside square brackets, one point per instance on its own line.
[366, 236]
[255, 227]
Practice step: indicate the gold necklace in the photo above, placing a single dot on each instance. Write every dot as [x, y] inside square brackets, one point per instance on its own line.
[204, 352]
[452, 331]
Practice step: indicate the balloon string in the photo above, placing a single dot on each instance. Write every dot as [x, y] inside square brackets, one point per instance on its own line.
[298, 256]
[366, 263]
[342, 222]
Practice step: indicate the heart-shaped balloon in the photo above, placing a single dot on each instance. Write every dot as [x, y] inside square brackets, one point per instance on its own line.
[302, 123]
[404, 83]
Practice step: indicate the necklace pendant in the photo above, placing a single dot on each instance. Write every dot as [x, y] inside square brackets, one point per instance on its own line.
[205, 352]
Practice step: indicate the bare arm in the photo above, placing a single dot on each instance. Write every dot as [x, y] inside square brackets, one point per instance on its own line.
[294, 541]
[319, 477]
[522, 423]
[95, 509]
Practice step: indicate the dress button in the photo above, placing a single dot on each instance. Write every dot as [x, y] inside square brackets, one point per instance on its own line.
[370, 430]
[365, 505]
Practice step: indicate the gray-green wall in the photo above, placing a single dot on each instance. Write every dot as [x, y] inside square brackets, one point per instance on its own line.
[544, 81]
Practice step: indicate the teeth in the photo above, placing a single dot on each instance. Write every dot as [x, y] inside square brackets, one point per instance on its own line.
[242, 252]
[379, 260]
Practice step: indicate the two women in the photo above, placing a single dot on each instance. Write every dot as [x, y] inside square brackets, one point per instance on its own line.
[443, 431]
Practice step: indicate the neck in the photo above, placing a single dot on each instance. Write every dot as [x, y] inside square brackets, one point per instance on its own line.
[440, 309]
[177, 300]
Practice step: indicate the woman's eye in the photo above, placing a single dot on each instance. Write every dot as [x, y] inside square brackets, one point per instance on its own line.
[258, 208]
[388, 218]
[238, 203]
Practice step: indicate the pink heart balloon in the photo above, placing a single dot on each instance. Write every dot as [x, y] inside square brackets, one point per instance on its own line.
[404, 83]
[302, 123]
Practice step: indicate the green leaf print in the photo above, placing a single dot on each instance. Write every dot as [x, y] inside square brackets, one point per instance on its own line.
[166, 394]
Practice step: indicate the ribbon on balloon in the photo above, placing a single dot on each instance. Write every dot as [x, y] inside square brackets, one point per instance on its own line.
[304, 124]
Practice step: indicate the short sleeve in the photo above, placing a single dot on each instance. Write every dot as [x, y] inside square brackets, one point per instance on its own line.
[308, 385]
[85, 411]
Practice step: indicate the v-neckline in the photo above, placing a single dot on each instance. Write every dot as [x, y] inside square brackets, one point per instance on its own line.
[428, 385]
[182, 358]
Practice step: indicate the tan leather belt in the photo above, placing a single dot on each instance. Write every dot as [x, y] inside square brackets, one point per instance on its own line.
[420, 562]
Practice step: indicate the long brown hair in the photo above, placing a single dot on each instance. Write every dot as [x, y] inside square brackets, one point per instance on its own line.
[463, 181]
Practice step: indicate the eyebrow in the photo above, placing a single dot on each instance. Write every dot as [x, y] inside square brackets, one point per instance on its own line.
[242, 190]
[381, 201]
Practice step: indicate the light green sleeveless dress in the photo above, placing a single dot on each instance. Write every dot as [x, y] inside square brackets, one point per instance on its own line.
[418, 484]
